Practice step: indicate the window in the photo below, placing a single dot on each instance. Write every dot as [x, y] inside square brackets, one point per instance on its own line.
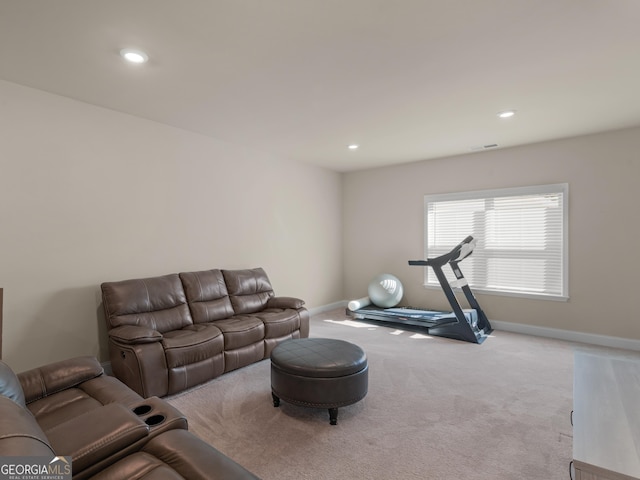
[521, 236]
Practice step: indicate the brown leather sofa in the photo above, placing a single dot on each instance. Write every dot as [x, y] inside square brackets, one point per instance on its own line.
[172, 332]
[71, 408]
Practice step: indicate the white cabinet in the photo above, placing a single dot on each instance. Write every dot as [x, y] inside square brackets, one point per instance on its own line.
[606, 415]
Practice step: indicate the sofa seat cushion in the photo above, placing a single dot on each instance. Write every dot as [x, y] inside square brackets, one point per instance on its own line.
[98, 435]
[240, 331]
[106, 389]
[63, 406]
[279, 322]
[192, 344]
[139, 466]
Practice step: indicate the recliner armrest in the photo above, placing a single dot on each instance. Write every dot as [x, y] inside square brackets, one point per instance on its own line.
[54, 377]
[97, 434]
[285, 302]
[133, 334]
[20, 434]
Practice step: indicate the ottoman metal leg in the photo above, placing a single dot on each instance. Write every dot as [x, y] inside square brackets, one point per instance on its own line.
[276, 400]
[333, 416]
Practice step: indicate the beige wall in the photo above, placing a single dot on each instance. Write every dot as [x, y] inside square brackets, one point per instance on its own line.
[90, 195]
[383, 227]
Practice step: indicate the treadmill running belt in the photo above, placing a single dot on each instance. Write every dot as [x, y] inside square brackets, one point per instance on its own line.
[414, 316]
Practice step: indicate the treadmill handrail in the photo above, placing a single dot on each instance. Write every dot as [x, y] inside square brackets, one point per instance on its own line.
[457, 253]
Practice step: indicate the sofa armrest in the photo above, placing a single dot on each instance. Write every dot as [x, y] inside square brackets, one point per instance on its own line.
[133, 334]
[97, 434]
[54, 377]
[285, 302]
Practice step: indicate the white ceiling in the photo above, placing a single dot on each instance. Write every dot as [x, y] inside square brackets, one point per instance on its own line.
[408, 80]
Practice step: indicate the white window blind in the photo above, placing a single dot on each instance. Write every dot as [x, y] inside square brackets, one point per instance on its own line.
[521, 238]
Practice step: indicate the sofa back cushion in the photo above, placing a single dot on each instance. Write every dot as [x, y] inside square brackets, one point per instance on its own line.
[10, 386]
[158, 303]
[207, 295]
[249, 290]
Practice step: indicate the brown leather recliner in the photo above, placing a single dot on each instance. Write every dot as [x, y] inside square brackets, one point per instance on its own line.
[176, 454]
[172, 332]
[71, 408]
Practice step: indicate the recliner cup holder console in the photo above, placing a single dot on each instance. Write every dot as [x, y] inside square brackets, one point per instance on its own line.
[142, 409]
[154, 420]
[151, 420]
[159, 415]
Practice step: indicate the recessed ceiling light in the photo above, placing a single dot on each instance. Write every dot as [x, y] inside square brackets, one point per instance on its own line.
[507, 114]
[134, 56]
[353, 146]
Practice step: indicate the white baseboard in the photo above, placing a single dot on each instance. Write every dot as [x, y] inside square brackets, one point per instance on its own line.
[568, 335]
[558, 334]
[326, 308]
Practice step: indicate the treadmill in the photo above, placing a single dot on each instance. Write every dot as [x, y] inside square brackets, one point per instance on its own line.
[470, 325]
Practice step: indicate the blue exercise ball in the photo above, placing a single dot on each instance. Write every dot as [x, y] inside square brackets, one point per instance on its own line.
[385, 291]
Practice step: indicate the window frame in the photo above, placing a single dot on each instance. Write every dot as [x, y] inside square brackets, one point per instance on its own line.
[561, 188]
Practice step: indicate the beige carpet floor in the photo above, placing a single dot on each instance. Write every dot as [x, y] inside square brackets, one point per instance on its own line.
[436, 409]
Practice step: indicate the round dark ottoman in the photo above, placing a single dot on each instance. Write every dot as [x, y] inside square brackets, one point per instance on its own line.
[319, 373]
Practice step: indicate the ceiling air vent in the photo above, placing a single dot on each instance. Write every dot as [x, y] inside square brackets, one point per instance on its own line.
[477, 148]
